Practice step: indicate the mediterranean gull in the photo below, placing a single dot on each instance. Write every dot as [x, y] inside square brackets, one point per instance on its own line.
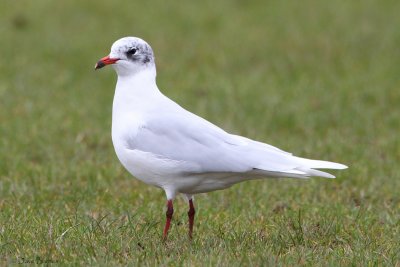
[164, 145]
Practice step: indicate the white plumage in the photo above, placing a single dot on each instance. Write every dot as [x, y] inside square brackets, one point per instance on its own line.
[164, 145]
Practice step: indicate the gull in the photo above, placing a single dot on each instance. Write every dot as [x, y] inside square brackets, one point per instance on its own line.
[164, 145]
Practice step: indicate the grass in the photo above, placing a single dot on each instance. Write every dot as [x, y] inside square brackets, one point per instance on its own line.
[320, 79]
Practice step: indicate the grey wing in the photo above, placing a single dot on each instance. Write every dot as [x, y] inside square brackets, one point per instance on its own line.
[189, 138]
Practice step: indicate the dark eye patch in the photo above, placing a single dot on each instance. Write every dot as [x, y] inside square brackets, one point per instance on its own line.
[131, 51]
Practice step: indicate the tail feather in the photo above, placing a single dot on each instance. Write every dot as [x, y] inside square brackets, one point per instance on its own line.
[294, 173]
[306, 169]
[312, 172]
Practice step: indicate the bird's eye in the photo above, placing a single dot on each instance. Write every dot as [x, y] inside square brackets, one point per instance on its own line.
[131, 51]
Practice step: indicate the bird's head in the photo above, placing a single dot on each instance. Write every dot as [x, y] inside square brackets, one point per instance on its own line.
[128, 56]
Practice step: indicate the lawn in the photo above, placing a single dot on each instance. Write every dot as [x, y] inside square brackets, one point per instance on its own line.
[320, 79]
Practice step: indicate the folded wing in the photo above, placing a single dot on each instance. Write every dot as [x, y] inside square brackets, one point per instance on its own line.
[188, 138]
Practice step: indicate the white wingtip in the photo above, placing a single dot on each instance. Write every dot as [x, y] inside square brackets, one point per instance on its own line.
[321, 164]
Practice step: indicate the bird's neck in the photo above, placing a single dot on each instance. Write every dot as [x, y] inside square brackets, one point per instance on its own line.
[139, 84]
[134, 91]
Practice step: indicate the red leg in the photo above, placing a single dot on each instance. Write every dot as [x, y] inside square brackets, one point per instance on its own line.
[191, 214]
[170, 211]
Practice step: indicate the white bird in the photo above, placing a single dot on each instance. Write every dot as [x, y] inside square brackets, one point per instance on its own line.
[164, 145]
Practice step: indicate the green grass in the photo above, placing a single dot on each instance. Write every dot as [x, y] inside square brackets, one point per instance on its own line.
[317, 78]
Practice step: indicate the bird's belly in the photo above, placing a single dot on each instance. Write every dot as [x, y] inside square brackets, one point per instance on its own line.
[150, 168]
[207, 182]
[165, 173]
